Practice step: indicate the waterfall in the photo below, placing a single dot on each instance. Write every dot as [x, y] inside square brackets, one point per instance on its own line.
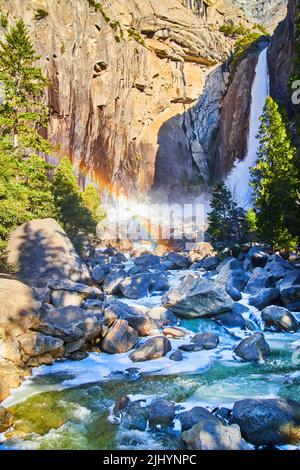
[239, 178]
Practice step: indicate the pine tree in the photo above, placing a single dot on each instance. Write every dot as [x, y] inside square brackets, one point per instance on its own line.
[69, 200]
[92, 202]
[25, 193]
[275, 179]
[22, 112]
[225, 224]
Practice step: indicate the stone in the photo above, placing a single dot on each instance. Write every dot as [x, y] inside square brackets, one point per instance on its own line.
[188, 347]
[20, 310]
[137, 320]
[4, 390]
[260, 279]
[197, 297]
[40, 250]
[6, 419]
[161, 316]
[147, 261]
[290, 296]
[279, 319]
[210, 263]
[140, 285]
[176, 356]
[191, 417]
[152, 348]
[161, 412]
[205, 341]
[257, 257]
[177, 261]
[268, 421]
[69, 324]
[100, 272]
[200, 251]
[110, 251]
[34, 344]
[264, 298]
[120, 338]
[63, 298]
[209, 434]
[70, 286]
[278, 266]
[233, 319]
[174, 332]
[253, 348]
[9, 350]
[113, 280]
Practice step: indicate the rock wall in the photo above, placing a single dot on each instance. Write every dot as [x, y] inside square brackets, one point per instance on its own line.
[136, 85]
[266, 12]
[280, 56]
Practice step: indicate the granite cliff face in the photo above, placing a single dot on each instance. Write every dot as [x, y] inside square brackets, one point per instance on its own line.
[137, 86]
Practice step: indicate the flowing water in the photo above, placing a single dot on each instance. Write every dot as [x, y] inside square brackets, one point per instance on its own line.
[68, 405]
[240, 173]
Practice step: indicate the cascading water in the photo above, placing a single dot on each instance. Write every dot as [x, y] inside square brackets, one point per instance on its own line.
[239, 178]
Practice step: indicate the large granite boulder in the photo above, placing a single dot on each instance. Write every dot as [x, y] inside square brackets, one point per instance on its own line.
[68, 323]
[177, 261]
[20, 308]
[210, 434]
[152, 348]
[161, 412]
[268, 421]
[260, 279]
[40, 250]
[197, 297]
[113, 280]
[120, 338]
[135, 318]
[279, 319]
[140, 285]
[189, 418]
[253, 348]
[264, 298]
[35, 344]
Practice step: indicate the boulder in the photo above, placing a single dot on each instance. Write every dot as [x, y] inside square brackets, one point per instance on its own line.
[113, 280]
[226, 266]
[264, 298]
[260, 279]
[68, 323]
[268, 421]
[176, 356]
[197, 297]
[279, 319]
[152, 348]
[34, 344]
[210, 263]
[133, 414]
[100, 272]
[120, 338]
[161, 412]
[161, 316]
[290, 297]
[205, 341]
[278, 266]
[110, 251]
[253, 348]
[4, 390]
[20, 309]
[177, 261]
[40, 250]
[174, 332]
[147, 261]
[64, 298]
[10, 350]
[256, 257]
[292, 278]
[233, 319]
[140, 285]
[137, 320]
[211, 434]
[200, 251]
[79, 288]
[6, 419]
[191, 417]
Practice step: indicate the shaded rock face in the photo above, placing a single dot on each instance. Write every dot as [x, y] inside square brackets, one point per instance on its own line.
[279, 319]
[197, 297]
[120, 338]
[267, 422]
[40, 250]
[121, 88]
[253, 348]
[265, 12]
[280, 56]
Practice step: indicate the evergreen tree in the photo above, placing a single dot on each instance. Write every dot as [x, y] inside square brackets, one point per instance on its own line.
[24, 84]
[25, 193]
[275, 179]
[92, 202]
[225, 222]
[69, 200]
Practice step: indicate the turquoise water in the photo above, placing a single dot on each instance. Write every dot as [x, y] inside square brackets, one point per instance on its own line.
[76, 417]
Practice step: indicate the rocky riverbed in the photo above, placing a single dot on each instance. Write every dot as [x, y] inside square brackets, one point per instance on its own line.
[147, 348]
